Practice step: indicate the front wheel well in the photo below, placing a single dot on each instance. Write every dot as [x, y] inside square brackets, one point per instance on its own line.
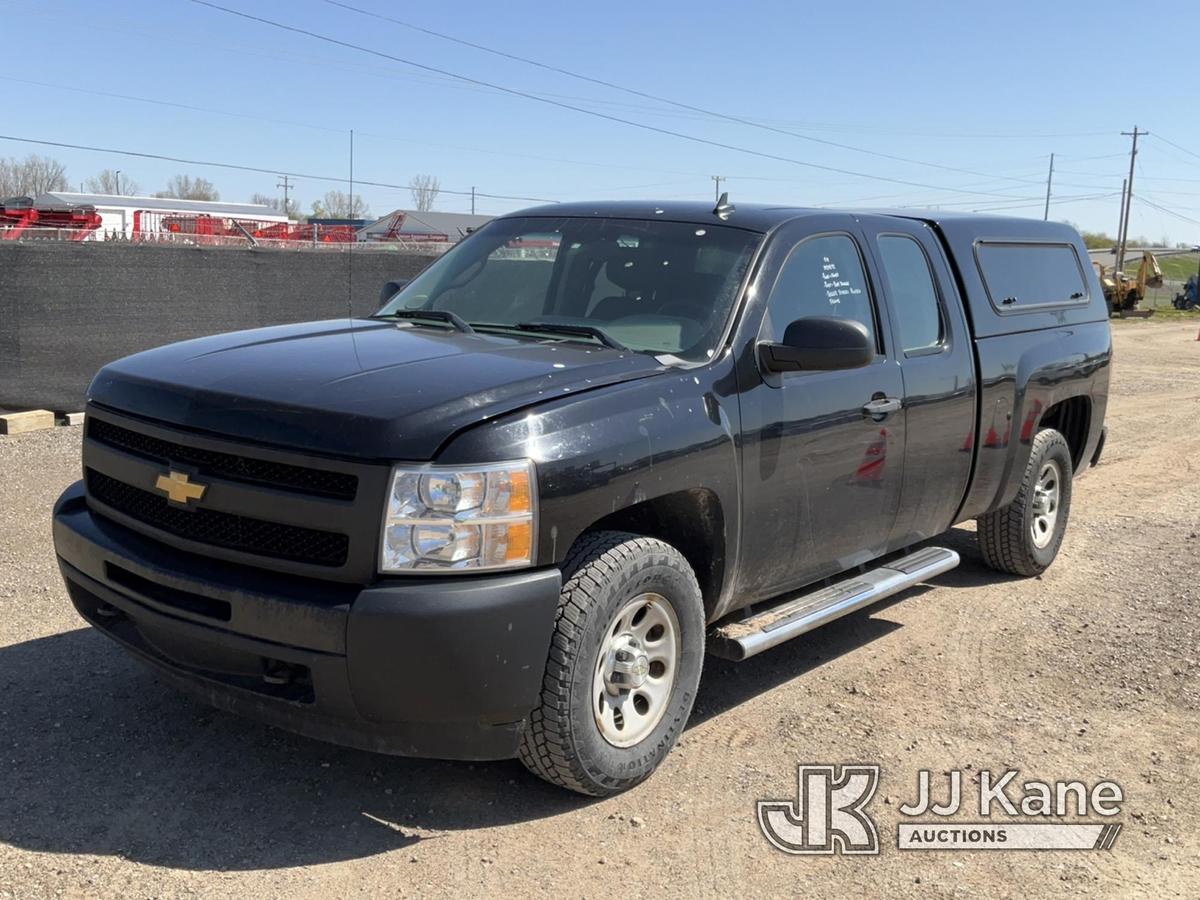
[1072, 419]
[691, 521]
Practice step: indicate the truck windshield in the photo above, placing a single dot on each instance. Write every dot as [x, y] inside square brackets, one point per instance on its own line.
[654, 287]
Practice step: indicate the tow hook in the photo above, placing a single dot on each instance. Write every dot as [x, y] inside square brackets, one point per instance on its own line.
[277, 672]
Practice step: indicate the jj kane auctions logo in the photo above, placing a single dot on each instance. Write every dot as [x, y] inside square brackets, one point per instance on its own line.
[829, 814]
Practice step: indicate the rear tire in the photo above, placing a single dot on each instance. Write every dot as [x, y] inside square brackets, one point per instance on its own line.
[624, 665]
[1023, 538]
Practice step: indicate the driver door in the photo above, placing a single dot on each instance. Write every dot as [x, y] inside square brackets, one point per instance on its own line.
[823, 450]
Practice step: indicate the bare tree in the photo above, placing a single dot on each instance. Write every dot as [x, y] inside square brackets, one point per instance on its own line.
[185, 187]
[424, 189]
[31, 176]
[111, 182]
[337, 205]
[292, 211]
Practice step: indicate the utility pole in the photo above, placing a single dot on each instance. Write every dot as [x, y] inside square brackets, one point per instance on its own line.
[1120, 215]
[287, 185]
[718, 179]
[472, 199]
[117, 178]
[1135, 134]
[1049, 181]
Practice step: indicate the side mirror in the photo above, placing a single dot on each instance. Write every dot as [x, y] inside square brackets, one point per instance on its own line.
[819, 343]
[390, 290]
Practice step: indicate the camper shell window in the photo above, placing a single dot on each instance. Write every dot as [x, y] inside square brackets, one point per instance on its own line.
[1020, 276]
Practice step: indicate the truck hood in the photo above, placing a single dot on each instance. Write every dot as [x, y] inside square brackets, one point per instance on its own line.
[367, 389]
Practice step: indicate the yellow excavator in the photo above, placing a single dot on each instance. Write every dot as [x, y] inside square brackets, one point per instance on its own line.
[1124, 292]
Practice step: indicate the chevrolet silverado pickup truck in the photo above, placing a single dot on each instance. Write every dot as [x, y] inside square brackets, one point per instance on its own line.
[509, 514]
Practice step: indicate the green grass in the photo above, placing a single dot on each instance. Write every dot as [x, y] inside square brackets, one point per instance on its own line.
[1174, 268]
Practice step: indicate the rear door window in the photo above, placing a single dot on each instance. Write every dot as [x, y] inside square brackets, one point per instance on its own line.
[1023, 275]
[917, 309]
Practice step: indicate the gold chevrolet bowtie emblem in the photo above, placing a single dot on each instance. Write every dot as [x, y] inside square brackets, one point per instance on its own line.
[178, 488]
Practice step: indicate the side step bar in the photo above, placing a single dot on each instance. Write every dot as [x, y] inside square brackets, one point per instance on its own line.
[795, 616]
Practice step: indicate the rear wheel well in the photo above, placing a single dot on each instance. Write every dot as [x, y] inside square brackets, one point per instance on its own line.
[1072, 419]
[691, 521]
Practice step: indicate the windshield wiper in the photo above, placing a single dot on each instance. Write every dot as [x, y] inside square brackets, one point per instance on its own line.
[553, 328]
[443, 316]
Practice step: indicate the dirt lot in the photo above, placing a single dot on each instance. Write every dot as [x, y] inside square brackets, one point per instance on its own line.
[113, 785]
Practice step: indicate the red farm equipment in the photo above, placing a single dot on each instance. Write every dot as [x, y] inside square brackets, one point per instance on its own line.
[150, 225]
[20, 219]
[308, 233]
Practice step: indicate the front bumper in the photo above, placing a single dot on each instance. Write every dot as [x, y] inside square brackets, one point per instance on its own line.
[437, 667]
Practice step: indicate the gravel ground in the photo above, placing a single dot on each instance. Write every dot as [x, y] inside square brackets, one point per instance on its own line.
[113, 785]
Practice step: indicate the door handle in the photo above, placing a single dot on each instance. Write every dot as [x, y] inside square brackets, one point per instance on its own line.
[881, 406]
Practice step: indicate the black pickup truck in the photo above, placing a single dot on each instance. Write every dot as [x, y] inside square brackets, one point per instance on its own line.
[508, 514]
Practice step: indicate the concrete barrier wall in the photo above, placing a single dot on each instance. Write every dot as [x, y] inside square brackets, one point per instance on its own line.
[67, 309]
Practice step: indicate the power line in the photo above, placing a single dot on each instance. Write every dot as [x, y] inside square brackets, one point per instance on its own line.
[1174, 193]
[579, 109]
[256, 117]
[1176, 146]
[326, 63]
[1166, 178]
[257, 169]
[1058, 201]
[1093, 174]
[1026, 202]
[950, 135]
[402, 187]
[658, 99]
[133, 98]
[1101, 156]
[904, 194]
[171, 103]
[1169, 212]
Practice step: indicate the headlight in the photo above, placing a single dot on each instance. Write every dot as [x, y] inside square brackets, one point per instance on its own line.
[465, 517]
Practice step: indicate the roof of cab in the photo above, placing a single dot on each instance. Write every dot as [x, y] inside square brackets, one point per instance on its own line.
[763, 216]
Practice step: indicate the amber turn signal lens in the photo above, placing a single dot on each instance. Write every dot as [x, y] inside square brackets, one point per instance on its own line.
[520, 543]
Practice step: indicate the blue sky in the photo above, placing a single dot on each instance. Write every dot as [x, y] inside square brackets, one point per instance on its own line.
[992, 89]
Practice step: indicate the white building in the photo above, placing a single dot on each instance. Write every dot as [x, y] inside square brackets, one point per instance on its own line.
[125, 217]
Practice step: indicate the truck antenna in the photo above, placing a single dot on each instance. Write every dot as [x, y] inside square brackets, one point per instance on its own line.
[724, 208]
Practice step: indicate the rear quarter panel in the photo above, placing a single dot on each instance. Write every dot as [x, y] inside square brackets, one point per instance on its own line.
[1021, 377]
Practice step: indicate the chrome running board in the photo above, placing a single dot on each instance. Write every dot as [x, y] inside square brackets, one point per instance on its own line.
[794, 616]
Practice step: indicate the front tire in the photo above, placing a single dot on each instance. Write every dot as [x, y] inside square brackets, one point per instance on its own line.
[1023, 538]
[624, 665]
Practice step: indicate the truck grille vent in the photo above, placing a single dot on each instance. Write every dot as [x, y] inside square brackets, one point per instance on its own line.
[221, 529]
[287, 477]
